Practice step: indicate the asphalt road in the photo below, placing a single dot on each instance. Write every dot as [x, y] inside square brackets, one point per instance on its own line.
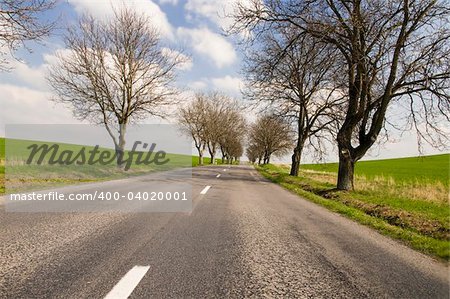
[245, 237]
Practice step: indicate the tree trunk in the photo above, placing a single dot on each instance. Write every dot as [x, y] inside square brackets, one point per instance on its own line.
[296, 158]
[302, 133]
[346, 170]
[265, 158]
[212, 152]
[200, 150]
[120, 147]
[119, 155]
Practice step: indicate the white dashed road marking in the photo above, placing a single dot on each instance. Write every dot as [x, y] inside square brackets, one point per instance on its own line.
[128, 283]
[218, 176]
[205, 190]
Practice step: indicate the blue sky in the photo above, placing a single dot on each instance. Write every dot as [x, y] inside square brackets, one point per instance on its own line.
[192, 25]
[195, 26]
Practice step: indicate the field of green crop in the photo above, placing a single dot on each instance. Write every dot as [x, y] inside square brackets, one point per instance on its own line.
[23, 177]
[423, 169]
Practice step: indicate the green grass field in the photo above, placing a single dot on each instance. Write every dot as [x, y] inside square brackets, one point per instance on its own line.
[405, 198]
[23, 177]
[423, 169]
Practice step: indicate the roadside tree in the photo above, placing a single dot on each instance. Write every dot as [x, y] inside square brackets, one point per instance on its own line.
[116, 73]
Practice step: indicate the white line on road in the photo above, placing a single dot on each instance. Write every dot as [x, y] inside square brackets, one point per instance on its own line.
[128, 283]
[205, 190]
[224, 169]
[218, 176]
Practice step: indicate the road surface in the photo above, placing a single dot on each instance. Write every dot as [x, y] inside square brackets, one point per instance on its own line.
[245, 237]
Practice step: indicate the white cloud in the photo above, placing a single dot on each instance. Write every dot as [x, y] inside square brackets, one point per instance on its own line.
[22, 105]
[31, 76]
[217, 11]
[185, 62]
[105, 8]
[23, 73]
[53, 58]
[211, 44]
[198, 85]
[229, 84]
[173, 2]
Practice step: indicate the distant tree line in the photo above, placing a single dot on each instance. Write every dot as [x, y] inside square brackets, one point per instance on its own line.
[215, 123]
[269, 136]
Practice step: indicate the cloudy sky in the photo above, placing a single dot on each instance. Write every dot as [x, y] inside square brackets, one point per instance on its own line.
[195, 26]
[192, 25]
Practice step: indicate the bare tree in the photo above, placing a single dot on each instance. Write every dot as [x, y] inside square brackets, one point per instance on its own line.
[233, 132]
[20, 22]
[193, 120]
[396, 51]
[293, 75]
[270, 135]
[117, 73]
[254, 153]
[215, 119]
[233, 148]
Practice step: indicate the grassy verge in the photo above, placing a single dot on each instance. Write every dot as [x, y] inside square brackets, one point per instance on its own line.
[422, 223]
[206, 161]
